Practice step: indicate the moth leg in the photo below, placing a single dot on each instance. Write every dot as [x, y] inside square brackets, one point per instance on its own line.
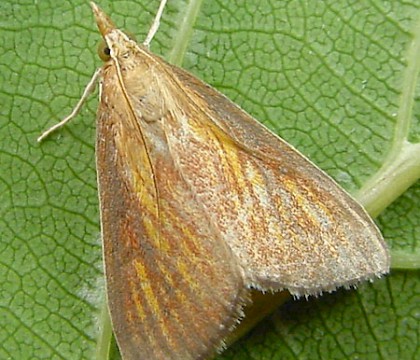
[90, 87]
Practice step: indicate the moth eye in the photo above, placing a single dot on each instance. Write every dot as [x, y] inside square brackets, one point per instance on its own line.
[104, 51]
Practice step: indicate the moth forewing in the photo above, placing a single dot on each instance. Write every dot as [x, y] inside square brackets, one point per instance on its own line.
[167, 298]
[288, 222]
[200, 202]
[285, 224]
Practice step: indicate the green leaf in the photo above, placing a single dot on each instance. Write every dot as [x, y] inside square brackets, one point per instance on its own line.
[338, 80]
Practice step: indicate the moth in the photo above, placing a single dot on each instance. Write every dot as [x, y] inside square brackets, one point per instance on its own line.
[200, 203]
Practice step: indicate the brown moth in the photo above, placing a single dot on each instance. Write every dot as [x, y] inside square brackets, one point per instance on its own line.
[200, 203]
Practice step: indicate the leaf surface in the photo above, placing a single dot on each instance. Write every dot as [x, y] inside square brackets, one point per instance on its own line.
[337, 80]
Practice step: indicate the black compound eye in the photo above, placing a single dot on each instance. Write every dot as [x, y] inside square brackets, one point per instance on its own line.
[104, 51]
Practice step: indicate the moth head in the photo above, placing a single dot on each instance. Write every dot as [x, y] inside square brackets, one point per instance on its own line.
[105, 24]
[117, 45]
[104, 50]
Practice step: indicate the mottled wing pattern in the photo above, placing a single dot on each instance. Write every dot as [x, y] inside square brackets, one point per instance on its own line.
[289, 224]
[199, 202]
[174, 287]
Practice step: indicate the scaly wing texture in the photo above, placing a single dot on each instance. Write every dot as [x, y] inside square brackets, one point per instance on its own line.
[289, 224]
[200, 201]
[174, 286]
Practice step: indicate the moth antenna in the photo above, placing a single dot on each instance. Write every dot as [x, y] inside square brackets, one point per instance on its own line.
[88, 90]
[155, 25]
